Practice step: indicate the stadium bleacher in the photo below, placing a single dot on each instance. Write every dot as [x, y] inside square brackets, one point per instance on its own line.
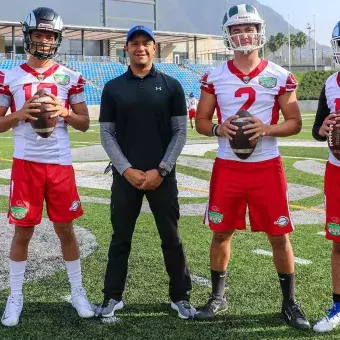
[98, 73]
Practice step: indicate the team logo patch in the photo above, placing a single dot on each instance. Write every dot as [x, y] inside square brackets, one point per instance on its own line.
[18, 212]
[268, 82]
[215, 217]
[334, 229]
[246, 79]
[74, 206]
[61, 79]
[282, 221]
[40, 77]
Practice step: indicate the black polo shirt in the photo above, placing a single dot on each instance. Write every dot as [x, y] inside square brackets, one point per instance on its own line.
[142, 109]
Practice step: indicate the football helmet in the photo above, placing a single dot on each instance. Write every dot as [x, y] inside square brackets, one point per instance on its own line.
[42, 19]
[335, 42]
[243, 14]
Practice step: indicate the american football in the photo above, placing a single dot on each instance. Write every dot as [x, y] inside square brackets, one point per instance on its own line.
[45, 125]
[240, 144]
[334, 142]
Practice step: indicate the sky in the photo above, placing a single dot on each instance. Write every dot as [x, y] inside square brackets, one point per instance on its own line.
[327, 15]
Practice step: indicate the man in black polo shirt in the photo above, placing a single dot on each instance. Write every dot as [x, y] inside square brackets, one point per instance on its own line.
[143, 127]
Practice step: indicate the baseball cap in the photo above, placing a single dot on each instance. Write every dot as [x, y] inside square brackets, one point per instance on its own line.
[140, 29]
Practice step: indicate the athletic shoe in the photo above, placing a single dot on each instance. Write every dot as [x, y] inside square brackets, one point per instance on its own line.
[329, 322]
[80, 303]
[294, 316]
[13, 310]
[184, 308]
[108, 307]
[214, 306]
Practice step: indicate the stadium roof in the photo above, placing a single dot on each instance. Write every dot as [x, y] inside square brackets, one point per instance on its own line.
[103, 33]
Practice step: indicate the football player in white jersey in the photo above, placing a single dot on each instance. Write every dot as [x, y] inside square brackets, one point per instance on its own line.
[42, 168]
[328, 113]
[192, 107]
[258, 183]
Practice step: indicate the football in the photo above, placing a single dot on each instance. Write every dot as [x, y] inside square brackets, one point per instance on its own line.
[334, 142]
[45, 125]
[240, 144]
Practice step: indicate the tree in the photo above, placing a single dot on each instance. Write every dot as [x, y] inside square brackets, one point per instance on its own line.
[292, 45]
[281, 40]
[272, 44]
[301, 41]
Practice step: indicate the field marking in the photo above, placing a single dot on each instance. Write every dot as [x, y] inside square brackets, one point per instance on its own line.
[201, 281]
[6, 160]
[306, 158]
[300, 207]
[322, 233]
[269, 253]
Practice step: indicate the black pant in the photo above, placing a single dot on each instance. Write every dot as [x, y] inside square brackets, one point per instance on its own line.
[126, 202]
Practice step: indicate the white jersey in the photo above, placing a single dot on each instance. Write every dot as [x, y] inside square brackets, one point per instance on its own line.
[332, 92]
[192, 104]
[257, 93]
[21, 83]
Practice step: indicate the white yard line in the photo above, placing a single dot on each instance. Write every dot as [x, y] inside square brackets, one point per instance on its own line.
[269, 253]
[201, 281]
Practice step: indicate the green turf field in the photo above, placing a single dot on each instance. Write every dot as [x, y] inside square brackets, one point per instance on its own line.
[254, 294]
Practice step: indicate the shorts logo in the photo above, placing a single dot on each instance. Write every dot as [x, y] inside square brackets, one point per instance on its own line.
[18, 212]
[282, 221]
[61, 79]
[74, 206]
[268, 82]
[215, 217]
[334, 229]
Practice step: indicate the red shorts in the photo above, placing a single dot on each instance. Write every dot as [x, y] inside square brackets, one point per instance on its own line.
[32, 183]
[332, 202]
[261, 186]
[192, 113]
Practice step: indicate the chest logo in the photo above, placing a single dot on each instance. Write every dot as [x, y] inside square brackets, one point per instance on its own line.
[158, 88]
[40, 77]
[62, 79]
[268, 82]
[246, 79]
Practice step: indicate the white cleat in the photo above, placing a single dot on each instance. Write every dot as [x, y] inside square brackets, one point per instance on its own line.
[80, 303]
[13, 310]
[329, 322]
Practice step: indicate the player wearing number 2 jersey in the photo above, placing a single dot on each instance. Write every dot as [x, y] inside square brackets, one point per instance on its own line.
[258, 182]
[42, 168]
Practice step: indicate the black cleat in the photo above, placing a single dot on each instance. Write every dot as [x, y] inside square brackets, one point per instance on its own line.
[214, 306]
[294, 316]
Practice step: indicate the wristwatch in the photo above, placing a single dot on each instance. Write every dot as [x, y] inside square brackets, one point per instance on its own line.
[162, 172]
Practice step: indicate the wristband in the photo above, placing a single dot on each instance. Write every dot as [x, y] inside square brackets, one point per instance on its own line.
[214, 130]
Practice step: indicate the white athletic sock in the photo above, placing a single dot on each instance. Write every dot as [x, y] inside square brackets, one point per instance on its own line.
[16, 276]
[74, 273]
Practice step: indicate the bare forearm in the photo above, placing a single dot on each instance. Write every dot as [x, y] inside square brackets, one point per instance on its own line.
[287, 128]
[7, 122]
[78, 122]
[204, 126]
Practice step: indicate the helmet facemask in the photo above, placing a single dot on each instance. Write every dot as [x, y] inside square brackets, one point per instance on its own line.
[257, 39]
[40, 50]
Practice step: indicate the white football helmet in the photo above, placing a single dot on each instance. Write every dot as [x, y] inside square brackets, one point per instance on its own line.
[243, 14]
[335, 42]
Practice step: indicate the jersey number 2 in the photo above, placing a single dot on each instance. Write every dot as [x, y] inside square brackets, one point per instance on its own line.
[251, 97]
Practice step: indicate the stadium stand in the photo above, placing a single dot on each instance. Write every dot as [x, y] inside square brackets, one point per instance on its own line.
[97, 73]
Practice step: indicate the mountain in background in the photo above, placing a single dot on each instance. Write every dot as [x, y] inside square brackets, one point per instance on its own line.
[201, 16]
[195, 16]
